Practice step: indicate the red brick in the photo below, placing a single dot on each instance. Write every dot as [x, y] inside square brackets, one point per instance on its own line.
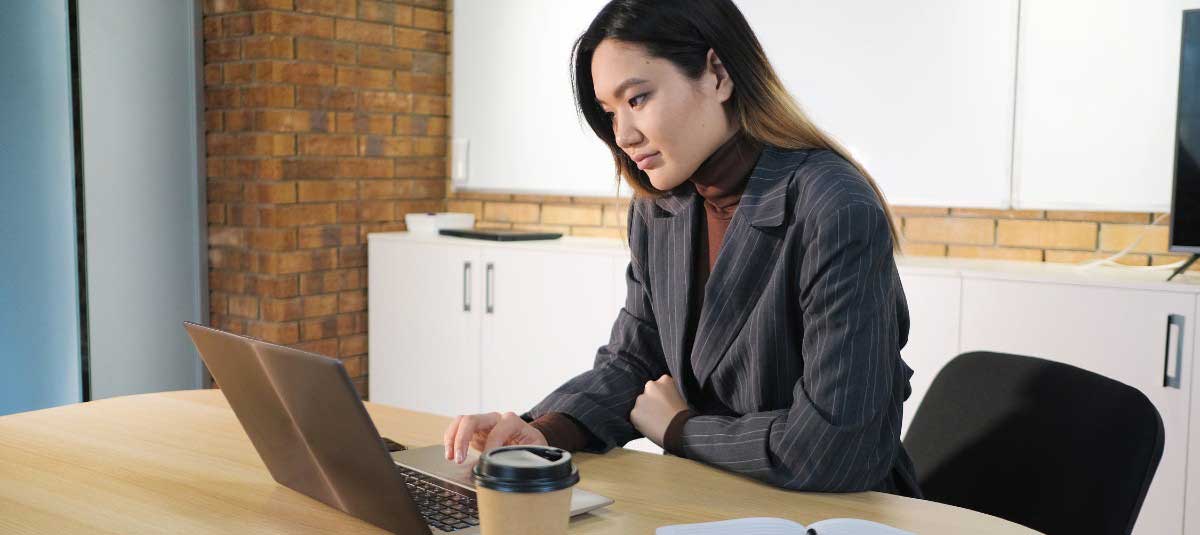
[225, 281]
[293, 24]
[382, 56]
[250, 144]
[224, 50]
[280, 193]
[429, 146]
[324, 51]
[281, 263]
[434, 84]
[309, 168]
[268, 96]
[221, 6]
[336, 98]
[352, 345]
[352, 256]
[294, 73]
[429, 105]
[244, 306]
[385, 101]
[421, 168]
[336, 8]
[293, 215]
[327, 190]
[330, 236]
[389, 146]
[365, 123]
[212, 75]
[273, 285]
[283, 333]
[237, 73]
[326, 347]
[236, 25]
[216, 214]
[429, 63]
[351, 323]
[352, 301]
[212, 28]
[399, 15]
[239, 121]
[273, 239]
[221, 98]
[281, 309]
[327, 145]
[226, 258]
[213, 122]
[332, 281]
[319, 305]
[364, 32]
[268, 46]
[365, 168]
[429, 19]
[318, 328]
[364, 77]
[294, 121]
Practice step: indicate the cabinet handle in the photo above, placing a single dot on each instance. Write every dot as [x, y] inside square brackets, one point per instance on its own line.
[1169, 381]
[491, 273]
[466, 286]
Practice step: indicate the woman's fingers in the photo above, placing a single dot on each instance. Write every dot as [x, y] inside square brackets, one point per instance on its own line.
[448, 437]
[506, 428]
[467, 428]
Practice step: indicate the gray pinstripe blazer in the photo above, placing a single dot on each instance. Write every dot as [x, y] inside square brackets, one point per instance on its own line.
[799, 333]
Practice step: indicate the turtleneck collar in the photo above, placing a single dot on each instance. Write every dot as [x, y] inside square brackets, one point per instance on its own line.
[723, 175]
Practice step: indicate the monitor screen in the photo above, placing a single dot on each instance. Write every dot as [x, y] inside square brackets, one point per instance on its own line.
[1185, 196]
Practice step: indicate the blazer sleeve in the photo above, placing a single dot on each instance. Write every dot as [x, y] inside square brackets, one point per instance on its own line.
[601, 398]
[841, 432]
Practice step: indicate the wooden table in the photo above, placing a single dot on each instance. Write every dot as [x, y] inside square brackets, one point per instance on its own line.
[179, 462]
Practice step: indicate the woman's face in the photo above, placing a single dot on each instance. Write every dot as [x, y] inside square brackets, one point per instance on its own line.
[659, 113]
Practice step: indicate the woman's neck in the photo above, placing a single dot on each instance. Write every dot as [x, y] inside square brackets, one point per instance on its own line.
[723, 175]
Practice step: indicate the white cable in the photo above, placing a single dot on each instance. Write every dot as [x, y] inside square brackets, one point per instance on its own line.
[1111, 261]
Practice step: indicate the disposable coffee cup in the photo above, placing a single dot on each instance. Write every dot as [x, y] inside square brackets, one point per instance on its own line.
[524, 490]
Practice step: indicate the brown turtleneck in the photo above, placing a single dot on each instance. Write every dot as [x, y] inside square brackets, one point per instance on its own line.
[720, 181]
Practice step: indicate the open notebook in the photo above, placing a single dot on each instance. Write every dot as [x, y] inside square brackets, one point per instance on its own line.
[780, 526]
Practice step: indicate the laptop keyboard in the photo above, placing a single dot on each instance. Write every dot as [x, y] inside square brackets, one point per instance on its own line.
[444, 506]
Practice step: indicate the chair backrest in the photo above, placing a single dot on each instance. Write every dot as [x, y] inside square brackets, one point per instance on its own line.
[1047, 445]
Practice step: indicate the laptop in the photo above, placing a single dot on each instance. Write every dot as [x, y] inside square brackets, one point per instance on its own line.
[310, 428]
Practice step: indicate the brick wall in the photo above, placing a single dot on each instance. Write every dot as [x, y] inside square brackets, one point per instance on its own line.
[1029, 235]
[325, 120]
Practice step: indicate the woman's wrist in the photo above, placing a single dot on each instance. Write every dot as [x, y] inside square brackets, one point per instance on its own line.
[673, 437]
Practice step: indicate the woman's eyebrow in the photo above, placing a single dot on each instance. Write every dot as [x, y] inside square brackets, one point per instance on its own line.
[624, 86]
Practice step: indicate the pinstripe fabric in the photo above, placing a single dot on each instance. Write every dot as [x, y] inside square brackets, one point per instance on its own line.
[799, 332]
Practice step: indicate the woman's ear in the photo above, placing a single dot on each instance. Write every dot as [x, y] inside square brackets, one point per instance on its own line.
[724, 83]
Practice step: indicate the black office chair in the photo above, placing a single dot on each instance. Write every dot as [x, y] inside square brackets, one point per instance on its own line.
[1043, 444]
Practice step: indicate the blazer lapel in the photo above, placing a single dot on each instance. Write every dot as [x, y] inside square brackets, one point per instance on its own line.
[748, 254]
[678, 223]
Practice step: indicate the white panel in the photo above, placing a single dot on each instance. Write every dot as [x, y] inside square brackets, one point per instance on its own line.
[513, 100]
[933, 309]
[424, 347]
[1096, 89]
[1117, 333]
[552, 311]
[920, 92]
[142, 193]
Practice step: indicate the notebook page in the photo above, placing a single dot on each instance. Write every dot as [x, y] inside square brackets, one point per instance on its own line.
[738, 526]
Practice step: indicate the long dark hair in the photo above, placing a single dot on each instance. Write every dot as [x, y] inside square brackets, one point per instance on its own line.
[682, 32]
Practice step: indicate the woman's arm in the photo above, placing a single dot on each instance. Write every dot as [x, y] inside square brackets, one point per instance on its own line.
[842, 430]
[600, 399]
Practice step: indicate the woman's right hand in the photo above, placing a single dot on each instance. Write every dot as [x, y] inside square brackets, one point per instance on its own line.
[486, 431]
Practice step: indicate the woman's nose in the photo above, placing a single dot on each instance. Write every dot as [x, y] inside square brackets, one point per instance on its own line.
[627, 136]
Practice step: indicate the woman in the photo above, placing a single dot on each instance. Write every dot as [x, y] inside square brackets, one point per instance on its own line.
[764, 317]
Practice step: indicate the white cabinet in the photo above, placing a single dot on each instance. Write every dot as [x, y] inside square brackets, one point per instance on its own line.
[545, 317]
[933, 308]
[1120, 333]
[424, 325]
[461, 326]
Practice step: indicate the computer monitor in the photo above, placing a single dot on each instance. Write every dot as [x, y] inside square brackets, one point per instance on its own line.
[1185, 193]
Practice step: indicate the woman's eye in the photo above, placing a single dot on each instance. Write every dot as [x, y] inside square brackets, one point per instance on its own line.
[641, 96]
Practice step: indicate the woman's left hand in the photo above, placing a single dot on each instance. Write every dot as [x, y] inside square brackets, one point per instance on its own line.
[655, 407]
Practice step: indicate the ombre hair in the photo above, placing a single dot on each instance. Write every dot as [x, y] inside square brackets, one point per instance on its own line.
[682, 32]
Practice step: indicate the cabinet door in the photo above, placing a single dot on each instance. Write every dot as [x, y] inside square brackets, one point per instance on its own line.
[425, 307]
[544, 316]
[1119, 333]
[933, 309]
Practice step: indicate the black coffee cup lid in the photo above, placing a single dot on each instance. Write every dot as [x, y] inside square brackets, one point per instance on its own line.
[525, 468]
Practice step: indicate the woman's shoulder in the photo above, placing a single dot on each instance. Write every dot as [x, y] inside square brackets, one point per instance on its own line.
[825, 182]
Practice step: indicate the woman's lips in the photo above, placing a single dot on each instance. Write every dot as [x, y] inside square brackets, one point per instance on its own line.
[648, 161]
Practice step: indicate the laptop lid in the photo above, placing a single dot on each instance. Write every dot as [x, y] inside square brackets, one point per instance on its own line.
[309, 426]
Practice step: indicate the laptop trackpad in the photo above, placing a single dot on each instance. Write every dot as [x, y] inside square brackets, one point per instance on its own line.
[432, 461]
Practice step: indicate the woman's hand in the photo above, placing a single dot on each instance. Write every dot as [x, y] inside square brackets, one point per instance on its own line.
[486, 431]
[655, 407]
